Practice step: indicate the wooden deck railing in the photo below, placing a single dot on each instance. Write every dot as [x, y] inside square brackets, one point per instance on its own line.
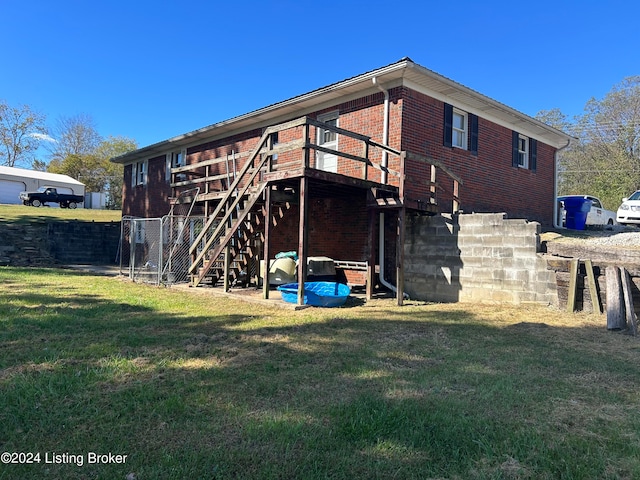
[202, 173]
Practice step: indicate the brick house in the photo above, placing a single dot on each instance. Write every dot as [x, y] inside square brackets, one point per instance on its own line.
[336, 171]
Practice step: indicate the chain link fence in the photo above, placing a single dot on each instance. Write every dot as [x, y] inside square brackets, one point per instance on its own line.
[156, 250]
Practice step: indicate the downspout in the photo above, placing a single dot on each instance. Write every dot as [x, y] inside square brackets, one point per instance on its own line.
[385, 129]
[385, 162]
[556, 222]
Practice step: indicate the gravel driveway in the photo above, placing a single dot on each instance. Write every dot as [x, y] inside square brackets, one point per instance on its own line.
[616, 237]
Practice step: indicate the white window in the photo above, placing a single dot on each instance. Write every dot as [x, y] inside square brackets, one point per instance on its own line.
[139, 173]
[142, 173]
[523, 151]
[459, 129]
[138, 231]
[274, 142]
[178, 158]
[175, 160]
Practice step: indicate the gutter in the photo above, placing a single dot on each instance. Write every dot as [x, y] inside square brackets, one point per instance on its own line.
[556, 223]
[385, 129]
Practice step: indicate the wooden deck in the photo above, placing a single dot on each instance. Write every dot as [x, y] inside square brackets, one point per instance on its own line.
[232, 199]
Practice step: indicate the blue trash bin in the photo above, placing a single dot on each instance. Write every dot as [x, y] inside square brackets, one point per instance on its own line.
[577, 209]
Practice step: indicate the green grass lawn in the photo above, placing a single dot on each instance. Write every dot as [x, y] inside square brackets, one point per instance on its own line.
[24, 214]
[192, 386]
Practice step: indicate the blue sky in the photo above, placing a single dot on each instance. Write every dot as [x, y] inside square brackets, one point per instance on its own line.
[153, 70]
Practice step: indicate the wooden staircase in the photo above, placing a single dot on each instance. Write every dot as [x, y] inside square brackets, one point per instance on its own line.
[228, 240]
[232, 237]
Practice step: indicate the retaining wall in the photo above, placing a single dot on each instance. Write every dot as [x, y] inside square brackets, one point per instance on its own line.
[476, 257]
[559, 259]
[59, 243]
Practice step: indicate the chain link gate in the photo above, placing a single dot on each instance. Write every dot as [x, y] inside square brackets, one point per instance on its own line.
[179, 232]
[145, 245]
[156, 250]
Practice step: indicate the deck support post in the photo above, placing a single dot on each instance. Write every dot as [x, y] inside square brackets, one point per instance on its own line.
[227, 258]
[266, 254]
[402, 218]
[305, 132]
[400, 256]
[371, 246]
[302, 238]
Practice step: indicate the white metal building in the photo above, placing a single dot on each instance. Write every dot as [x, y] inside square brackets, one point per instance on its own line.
[16, 180]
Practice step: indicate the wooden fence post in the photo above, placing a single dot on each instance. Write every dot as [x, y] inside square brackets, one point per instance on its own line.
[615, 305]
[632, 321]
[593, 290]
[573, 285]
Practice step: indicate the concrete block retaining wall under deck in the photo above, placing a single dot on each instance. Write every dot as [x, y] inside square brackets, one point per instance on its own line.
[476, 258]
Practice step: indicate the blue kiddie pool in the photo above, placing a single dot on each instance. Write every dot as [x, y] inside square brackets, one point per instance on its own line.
[317, 294]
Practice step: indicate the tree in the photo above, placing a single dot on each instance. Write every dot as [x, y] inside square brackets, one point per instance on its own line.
[76, 135]
[554, 118]
[95, 170]
[21, 132]
[605, 161]
[113, 172]
[39, 166]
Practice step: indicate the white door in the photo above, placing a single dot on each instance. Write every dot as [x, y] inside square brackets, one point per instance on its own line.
[328, 139]
[595, 215]
[10, 191]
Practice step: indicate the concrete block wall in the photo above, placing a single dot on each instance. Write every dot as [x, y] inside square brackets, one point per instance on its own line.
[48, 244]
[476, 258]
[74, 242]
[24, 245]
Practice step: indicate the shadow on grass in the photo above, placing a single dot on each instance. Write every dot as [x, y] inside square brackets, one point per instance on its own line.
[376, 393]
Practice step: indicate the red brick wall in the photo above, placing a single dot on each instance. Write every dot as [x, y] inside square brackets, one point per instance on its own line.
[223, 148]
[151, 199]
[338, 229]
[491, 183]
[365, 116]
[327, 235]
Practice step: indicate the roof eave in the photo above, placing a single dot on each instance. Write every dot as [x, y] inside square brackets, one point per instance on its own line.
[479, 103]
[406, 71]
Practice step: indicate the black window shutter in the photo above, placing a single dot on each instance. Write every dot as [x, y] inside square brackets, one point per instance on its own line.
[515, 156]
[448, 125]
[533, 154]
[473, 133]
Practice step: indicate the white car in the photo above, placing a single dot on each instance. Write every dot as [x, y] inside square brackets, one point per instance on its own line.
[598, 215]
[629, 211]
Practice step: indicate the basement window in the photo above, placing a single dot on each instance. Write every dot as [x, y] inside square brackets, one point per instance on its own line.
[138, 232]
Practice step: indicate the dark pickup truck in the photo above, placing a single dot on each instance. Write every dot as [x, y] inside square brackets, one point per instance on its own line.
[49, 194]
